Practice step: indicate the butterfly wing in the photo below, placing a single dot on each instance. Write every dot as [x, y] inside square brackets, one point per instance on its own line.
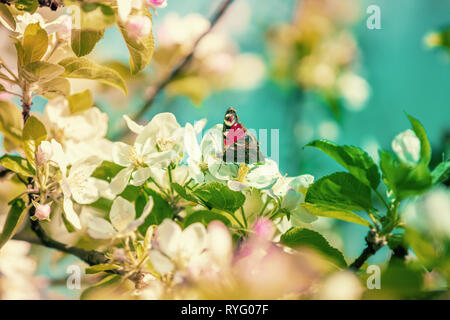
[240, 146]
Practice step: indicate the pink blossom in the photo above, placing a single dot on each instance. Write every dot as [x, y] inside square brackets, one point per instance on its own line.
[157, 3]
[43, 212]
[139, 26]
[264, 228]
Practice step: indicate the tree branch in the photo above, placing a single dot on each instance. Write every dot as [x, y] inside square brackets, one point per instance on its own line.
[374, 243]
[179, 67]
[91, 257]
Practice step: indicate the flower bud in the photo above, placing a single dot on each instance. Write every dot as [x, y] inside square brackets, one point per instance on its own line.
[138, 26]
[157, 3]
[406, 146]
[42, 212]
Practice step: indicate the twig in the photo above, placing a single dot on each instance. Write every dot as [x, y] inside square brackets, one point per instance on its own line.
[184, 62]
[374, 243]
[91, 257]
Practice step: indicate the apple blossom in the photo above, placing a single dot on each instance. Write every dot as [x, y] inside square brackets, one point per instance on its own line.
[178, 248]
[123, 220]
[78, 183]
[406, 146]
[157, 144]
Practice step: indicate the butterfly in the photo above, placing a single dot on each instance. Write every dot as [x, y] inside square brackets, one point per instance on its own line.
[239, 145]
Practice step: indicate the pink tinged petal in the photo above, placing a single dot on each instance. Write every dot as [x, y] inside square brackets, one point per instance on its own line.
[264, 228]
[133, 126]
[120, 181]
[70, 213]
[168, 236]
[121, 153]
[99, 228]
[138, 26]
[122, 213]
[192, 240]
[160, 262]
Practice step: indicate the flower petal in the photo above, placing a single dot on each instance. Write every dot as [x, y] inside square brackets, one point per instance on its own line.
[190, 143]
[99, 228]
[168, 235]
[70, 213]
[121, 153]
[120, 181]
[160, 262]
[87, 193]
[121, 214]
[141, 175]
[192, 240]
[133, 126]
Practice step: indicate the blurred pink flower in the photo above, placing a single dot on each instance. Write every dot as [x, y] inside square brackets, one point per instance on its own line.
[264, 228]
[157, 3]
[139, 26]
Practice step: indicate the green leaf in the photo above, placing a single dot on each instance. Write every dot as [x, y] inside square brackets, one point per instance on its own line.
[109, 282]
[423, 247]
[27, 5]
[341, 190]
[402, 179]
[303, 237]
[34, 133]
[82, 68]
[425, 149]
[219, 196]
[185, 193]
[16, 215]
[84, 41]
[54, 88]
[96, 16]
[10, 125]
[81, 101]
[354, 159]
[106, 171]
[42, 71]
[100, 268]
[17, 164]
[34, 44]
[205, 217]
[141, 50]
[441, 173]
[161, 210]
[336, 213]
[6, 17]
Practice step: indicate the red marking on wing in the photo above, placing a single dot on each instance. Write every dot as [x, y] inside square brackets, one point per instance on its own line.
[236, 132]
